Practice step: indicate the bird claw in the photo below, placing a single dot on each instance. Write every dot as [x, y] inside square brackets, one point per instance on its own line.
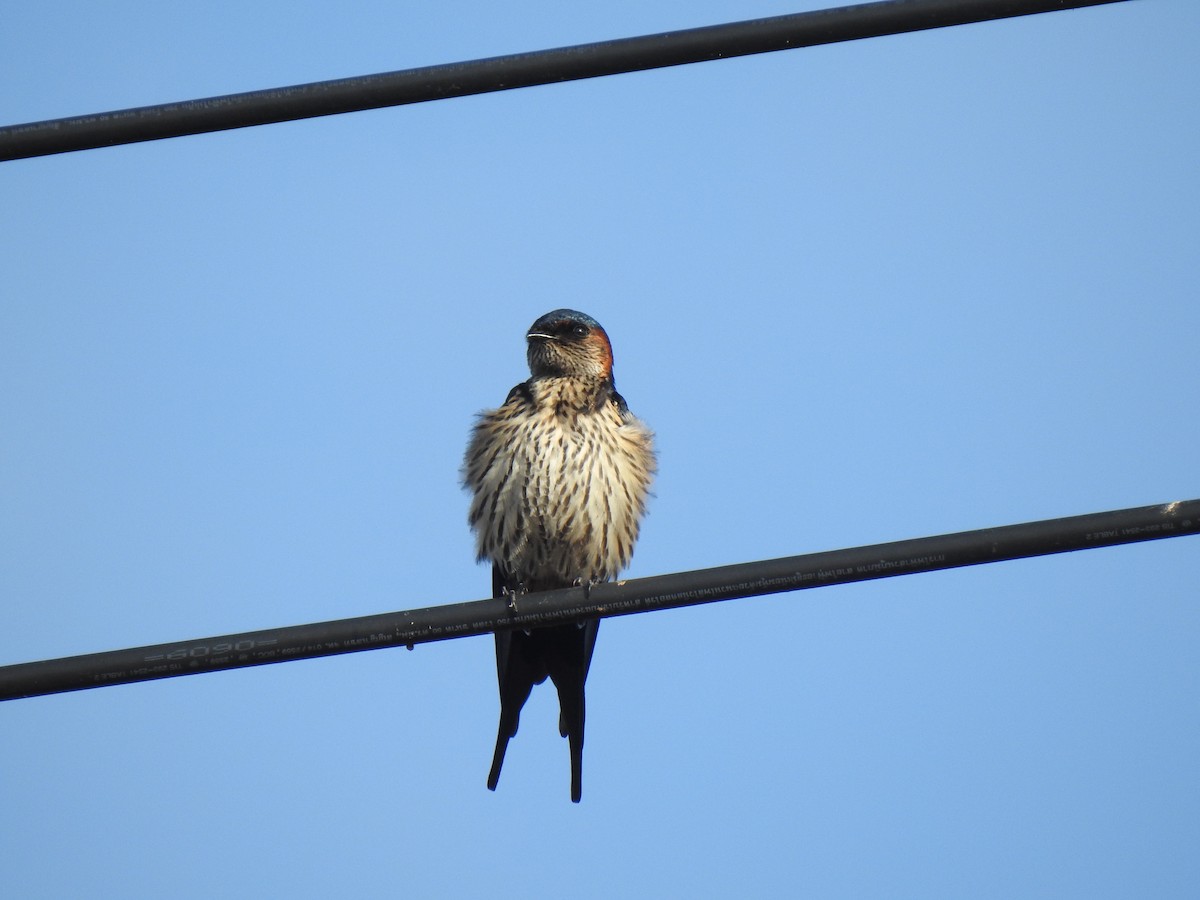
[587, 584]
[512, 594]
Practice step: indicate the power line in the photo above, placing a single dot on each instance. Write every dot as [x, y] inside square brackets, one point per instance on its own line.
[928, 554]
[502, 73]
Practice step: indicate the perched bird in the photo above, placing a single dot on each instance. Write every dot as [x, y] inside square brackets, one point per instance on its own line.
[559, 476]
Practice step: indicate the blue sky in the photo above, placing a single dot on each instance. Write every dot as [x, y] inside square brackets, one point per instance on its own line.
[862, 292]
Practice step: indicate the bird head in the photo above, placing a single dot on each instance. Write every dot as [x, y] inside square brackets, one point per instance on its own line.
[570, 343]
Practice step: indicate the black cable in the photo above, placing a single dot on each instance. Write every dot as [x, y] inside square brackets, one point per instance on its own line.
[438, 623]
[501, 73]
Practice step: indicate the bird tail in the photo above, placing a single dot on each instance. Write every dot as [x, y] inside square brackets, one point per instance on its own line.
[518, 669]
[498, 757]
[525, 658]
[571, 727]
[568, 658]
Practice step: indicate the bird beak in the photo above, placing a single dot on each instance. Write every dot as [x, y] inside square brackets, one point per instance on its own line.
[537, 335]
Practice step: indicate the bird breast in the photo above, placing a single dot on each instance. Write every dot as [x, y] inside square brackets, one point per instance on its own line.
[559, 487]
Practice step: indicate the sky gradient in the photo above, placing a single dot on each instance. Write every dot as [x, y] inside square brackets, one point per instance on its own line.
[862, 292]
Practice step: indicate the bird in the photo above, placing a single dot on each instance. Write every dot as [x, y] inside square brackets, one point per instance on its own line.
[559, 476]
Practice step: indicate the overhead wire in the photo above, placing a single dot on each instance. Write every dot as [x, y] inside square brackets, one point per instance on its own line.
[455, 620]
[501, 73]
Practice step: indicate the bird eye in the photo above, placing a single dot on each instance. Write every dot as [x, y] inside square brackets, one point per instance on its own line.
[579, 330]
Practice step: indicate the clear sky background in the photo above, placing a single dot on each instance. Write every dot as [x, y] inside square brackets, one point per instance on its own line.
[863, 292]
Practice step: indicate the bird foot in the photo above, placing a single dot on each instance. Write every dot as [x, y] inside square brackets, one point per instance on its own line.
[511, 595]
[587, 584]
